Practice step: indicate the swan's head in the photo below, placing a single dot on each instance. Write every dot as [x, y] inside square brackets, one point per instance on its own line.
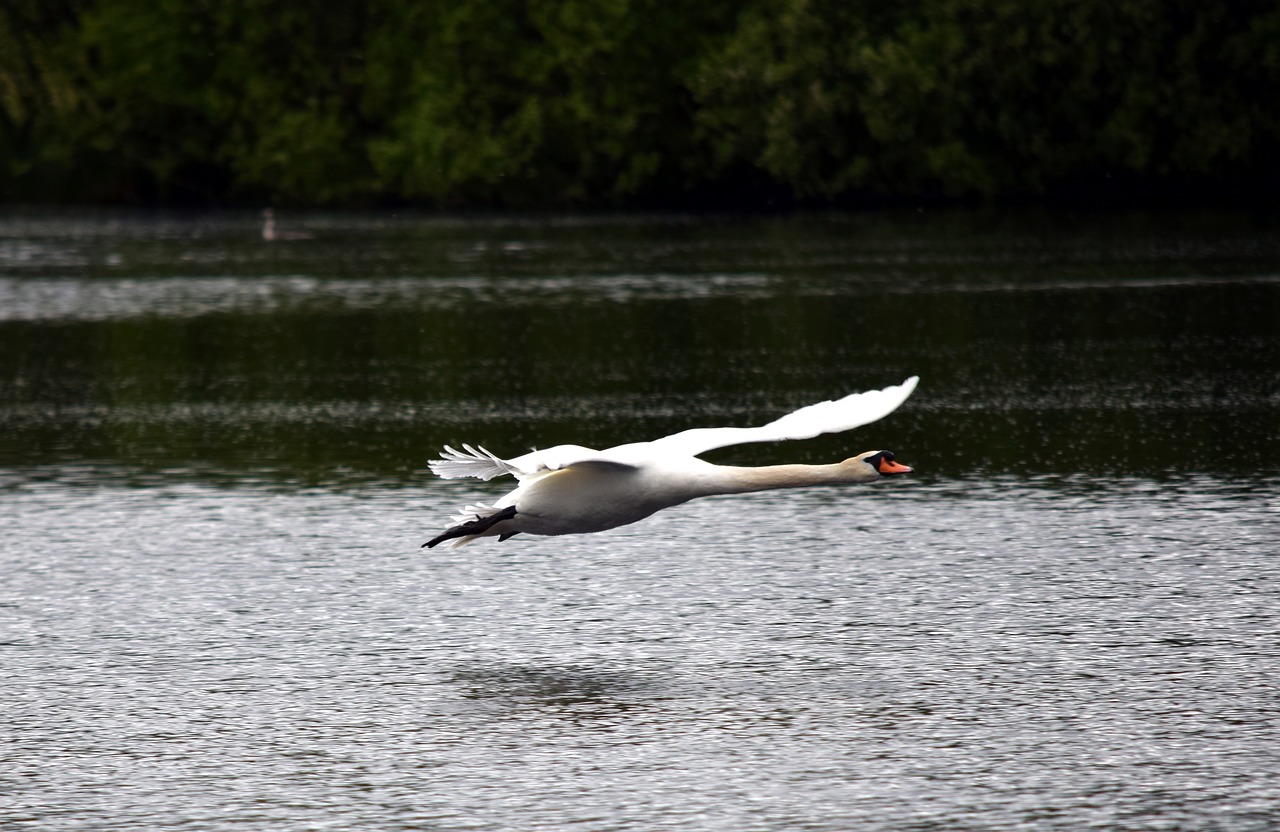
[875, 464]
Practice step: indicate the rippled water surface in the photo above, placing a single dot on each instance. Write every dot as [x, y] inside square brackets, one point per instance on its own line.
[215, 615]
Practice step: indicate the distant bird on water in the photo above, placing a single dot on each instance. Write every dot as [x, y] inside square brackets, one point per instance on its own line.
[570, 489]
[271, 233]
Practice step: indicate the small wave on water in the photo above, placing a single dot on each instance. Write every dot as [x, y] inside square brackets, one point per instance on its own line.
[74, 299]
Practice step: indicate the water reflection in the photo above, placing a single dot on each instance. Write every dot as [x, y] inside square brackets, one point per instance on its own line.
[584, 693]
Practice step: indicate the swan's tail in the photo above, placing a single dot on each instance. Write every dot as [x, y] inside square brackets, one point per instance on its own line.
[470, 462]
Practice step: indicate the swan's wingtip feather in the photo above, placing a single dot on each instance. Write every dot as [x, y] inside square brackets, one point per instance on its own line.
[900, 391]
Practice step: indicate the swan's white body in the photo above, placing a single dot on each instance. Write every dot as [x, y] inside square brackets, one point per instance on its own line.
[570, 489]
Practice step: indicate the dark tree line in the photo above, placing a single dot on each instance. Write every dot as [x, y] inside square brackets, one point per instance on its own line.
[527, 103]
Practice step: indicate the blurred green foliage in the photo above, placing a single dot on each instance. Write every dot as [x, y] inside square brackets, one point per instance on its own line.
[531, 103]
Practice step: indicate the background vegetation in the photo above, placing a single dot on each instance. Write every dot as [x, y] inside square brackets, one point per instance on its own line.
[567, 103]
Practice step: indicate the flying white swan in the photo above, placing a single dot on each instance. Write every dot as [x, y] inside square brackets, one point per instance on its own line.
[570, 489]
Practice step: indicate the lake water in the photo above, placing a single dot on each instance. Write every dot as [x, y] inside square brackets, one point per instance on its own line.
[214, 614]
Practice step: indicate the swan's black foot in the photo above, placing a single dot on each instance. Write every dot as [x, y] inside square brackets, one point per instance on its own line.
[477, 526]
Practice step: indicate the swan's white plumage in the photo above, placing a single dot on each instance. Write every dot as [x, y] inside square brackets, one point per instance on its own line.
[470, 462]
[852, 411]
[663, 472]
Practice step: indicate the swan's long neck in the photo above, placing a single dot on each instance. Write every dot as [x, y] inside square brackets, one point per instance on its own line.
[737, 480]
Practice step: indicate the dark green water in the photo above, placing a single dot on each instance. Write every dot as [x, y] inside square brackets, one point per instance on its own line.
[1047, 344]
[214, 614]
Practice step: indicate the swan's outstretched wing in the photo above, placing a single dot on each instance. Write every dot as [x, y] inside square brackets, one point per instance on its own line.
[479, 463]
[825, 417]
[836, 416]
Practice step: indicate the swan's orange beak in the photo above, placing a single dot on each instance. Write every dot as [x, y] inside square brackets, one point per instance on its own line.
[888, 466]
